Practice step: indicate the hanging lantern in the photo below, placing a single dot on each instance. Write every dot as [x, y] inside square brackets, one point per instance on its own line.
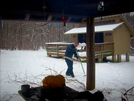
[101, 5]
[63, 21]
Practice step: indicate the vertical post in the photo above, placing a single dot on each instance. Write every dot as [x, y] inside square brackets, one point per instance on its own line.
[118, 58]
[114, 58]
[100, 60]
[57, 47]
[90, 84]
[102, 48]
[127, 57]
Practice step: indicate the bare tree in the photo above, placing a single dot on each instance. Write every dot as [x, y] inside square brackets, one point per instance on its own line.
[130, 18]
[31, 35]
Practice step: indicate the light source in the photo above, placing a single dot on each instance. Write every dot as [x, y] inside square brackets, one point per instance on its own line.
[100, 5]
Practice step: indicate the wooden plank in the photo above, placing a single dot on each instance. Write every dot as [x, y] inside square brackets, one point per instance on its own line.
[57, 50]
[127, 57]
[68, 20]
[100, 60]
[114, 58]
[59, 43]
[49, 18]
[118, 58]
[27, 16]
[48, 55]
[102, 48]
[83, 20]
[90, 83]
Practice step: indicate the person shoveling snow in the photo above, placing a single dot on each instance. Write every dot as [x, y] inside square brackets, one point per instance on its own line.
[71, 49]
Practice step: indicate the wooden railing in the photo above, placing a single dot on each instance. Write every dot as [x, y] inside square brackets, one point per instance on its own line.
[56, 49]
[104, 49]
[101, 50]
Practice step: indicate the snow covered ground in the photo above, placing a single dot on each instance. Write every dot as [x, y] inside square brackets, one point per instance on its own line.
[111, 78]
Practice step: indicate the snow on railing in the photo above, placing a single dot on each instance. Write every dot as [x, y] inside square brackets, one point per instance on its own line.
[59, 49]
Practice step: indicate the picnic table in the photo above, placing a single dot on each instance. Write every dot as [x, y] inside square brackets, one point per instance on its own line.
[41, 94]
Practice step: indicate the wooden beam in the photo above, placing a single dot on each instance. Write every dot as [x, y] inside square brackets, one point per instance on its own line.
[49, 18]
[68, 20]
[118, 58]
[90, 84]
[114, 58]
[27, 16]
[127, 57]
[83, 20]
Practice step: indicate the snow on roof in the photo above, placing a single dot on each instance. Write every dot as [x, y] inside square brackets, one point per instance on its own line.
[100, 28]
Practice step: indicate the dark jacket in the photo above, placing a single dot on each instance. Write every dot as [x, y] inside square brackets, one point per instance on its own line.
[70, 51]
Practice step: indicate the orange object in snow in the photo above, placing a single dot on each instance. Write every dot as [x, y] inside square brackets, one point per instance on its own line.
[51, 82]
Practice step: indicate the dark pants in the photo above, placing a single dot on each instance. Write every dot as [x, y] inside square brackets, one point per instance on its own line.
[70, 66]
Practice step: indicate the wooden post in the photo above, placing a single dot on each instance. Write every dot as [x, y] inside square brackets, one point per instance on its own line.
[102, 48]
[90, 83]
[127, 57]
[57, 47]
[118, 58]
[114, 58]
[100, 60]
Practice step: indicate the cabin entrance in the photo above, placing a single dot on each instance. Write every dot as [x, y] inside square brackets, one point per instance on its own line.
[98, 38]
[82, 38]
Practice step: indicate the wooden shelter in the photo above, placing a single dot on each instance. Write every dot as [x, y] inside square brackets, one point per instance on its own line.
[110, 29]
[76, 11]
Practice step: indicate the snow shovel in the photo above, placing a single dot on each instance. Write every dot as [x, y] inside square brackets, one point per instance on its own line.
[81, 63]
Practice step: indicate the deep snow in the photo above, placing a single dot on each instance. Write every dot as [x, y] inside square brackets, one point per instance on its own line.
[111, 78]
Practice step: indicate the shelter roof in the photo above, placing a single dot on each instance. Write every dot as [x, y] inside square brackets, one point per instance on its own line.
[101, 28]
[73, 10]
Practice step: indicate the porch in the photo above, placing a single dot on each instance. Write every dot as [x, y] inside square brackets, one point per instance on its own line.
[102, 50]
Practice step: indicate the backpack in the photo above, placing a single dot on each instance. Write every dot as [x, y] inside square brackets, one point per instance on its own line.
[51, 82]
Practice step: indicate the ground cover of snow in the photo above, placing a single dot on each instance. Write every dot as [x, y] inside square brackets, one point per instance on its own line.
[111, 78]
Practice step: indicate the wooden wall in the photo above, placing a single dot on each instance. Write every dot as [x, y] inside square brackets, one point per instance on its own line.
[120, 36]
[108, 20]
[104, 20]
[108, 37]
[74, 38]
[121, 39]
